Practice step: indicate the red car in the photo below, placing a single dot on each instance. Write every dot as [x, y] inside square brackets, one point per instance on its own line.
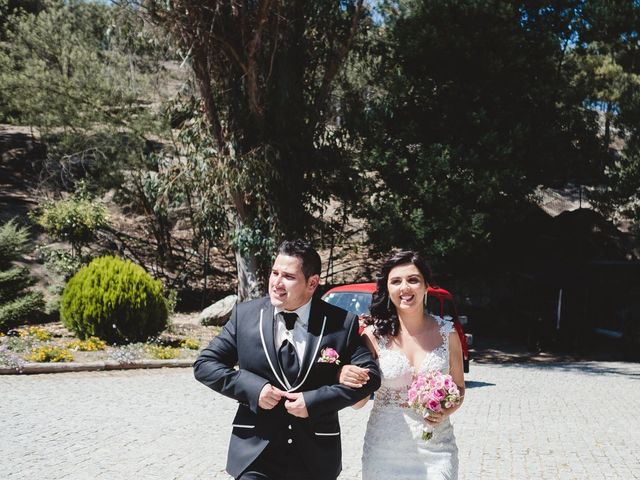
[356, 298]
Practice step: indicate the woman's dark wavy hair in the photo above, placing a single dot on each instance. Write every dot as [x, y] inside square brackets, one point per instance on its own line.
[384, 317]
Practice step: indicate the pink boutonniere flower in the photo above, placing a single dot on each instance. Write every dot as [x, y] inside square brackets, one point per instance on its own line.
[329, 355]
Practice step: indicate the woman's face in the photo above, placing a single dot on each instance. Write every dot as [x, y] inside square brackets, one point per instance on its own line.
[406, 287]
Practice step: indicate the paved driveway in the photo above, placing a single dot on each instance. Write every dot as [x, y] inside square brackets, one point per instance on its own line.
[558, 421]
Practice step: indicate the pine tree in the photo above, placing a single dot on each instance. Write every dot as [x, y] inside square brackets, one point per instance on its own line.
[17, 304]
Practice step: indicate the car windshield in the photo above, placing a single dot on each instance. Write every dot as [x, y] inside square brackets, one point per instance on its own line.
[356, 302]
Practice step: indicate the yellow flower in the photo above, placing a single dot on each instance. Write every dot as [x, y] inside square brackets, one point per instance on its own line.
[48, 353]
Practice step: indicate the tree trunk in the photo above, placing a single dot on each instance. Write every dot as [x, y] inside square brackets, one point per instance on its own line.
[248, 285]
[607, 127]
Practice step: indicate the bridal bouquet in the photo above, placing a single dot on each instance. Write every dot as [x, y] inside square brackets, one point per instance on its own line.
[432, 392]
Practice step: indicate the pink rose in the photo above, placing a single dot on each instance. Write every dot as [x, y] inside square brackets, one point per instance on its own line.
[434, 405]
[412, 394]
[329, 355]
[438, 395]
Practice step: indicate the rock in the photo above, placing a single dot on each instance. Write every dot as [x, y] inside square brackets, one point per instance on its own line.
[219, 312]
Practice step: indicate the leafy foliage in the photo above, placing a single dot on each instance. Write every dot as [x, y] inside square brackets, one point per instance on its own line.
[115, 300]
[610, 67]
[75, 219]
[472, 110]
[265, 73]
[83, 74]
[14, 241]
[17, 303]
[20, 309]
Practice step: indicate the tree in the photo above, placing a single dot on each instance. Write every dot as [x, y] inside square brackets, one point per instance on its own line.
[610, 59]
[17, 303]
[74, 73]
[474, 111]
[265, 73]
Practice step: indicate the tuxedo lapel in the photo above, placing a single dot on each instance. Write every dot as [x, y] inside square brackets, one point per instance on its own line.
[267, 328]
[315, 332]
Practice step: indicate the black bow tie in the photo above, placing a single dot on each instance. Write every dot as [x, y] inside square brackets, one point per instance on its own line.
[289, 319]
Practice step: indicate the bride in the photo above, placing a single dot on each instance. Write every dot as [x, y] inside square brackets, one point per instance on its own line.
[407, 340]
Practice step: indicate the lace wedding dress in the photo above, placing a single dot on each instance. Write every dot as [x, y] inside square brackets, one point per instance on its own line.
[393, 445]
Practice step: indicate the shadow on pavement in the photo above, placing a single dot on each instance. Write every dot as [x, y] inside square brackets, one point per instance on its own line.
[500, 351]
[472, 384]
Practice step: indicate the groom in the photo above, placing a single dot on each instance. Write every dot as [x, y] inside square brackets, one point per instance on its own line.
[288, 349]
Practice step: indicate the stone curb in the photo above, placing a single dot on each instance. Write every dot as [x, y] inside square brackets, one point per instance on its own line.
[33, 368]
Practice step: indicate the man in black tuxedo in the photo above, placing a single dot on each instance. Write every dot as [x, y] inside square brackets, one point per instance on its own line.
[288, 348]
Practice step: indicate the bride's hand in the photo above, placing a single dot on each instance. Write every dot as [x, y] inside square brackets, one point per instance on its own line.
[434, 418]
[353, 376]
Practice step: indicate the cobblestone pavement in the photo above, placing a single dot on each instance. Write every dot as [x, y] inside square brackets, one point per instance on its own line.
[557, 421]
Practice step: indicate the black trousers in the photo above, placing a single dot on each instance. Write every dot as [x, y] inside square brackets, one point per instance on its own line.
[280, 460]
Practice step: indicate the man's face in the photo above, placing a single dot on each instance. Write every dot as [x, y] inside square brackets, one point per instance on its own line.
[288, 289]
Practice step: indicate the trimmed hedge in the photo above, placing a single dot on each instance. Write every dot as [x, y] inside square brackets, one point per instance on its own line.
[115, 300]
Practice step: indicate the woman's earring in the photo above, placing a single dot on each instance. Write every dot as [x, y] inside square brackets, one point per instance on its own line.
[424, 299]
[388, 303]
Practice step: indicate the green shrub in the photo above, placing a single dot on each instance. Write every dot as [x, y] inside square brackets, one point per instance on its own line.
[59, 261]
[17, 304]
[13, 281]
[115, 300]
[20, 309]
[75, 219]
[13, 242]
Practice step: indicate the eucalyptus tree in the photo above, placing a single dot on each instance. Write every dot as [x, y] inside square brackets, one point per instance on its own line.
[266, 73]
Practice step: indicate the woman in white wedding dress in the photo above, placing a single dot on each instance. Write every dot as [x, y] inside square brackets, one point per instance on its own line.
[407, 340]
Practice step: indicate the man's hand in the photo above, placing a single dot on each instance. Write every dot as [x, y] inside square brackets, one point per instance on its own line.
[295, 405]
[269, 397]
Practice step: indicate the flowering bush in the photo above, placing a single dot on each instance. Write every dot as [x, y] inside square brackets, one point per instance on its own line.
[91, 344]
[162, 353]
[432, 393]
[190, 344]
[47, 353]
[37, 332]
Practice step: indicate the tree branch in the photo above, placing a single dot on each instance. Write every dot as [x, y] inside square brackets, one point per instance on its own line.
[338, 59]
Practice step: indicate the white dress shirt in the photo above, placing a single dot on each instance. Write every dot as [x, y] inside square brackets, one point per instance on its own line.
[298, 334]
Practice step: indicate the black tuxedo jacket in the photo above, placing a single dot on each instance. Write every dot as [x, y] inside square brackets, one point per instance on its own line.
[248, 341]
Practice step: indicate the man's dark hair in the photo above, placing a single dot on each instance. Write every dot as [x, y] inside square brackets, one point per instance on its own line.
[311, 264]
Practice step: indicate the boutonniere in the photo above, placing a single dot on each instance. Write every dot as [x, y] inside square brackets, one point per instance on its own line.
[329, 355]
